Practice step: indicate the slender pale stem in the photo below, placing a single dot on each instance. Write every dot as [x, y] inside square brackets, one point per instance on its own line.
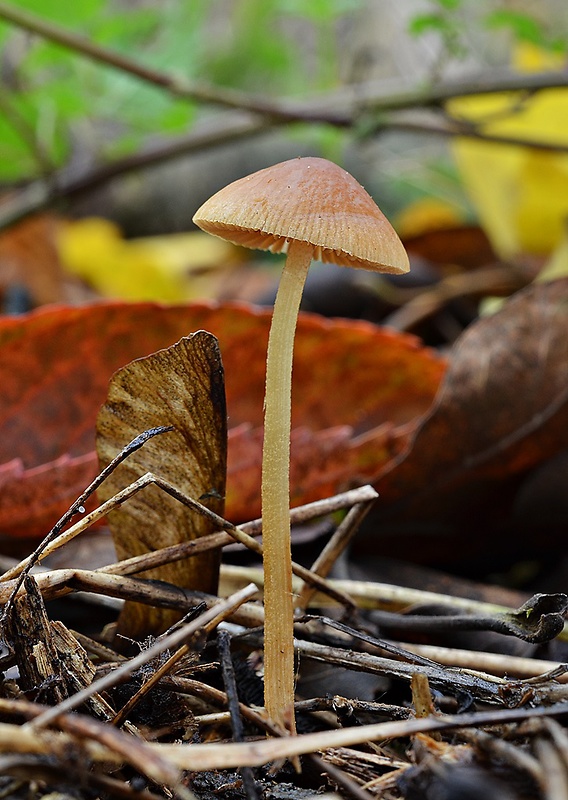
[278, 599]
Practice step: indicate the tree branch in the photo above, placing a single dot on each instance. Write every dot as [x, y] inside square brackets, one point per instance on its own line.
[370, 95]
[175, 85]
[366, 109]
[39, 195]
[451, 127]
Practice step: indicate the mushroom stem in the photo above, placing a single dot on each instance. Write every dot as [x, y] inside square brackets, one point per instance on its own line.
[278, 600]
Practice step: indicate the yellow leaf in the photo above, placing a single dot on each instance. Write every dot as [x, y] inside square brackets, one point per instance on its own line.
[521, 194]
[425, 215]
[557, 266]
[163, 268]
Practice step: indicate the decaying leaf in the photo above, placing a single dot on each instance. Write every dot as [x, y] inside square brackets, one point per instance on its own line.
[322, 462]
[34, 499]
[28, 258]
[55, 365]
[501, 409]
[440, 233]
[180, 386]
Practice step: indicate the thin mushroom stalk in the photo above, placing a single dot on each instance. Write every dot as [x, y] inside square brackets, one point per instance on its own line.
[278, 598]
[307, 207]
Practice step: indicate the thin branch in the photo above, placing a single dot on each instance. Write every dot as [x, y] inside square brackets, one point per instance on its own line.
[484, 687]
[234, 754]
[173, 84]
[179, 636]
[336, 545]
[521, 667]
[230, 682]
[353, 108]
[451, 127]
[418, 305]
[77, 507]
[182, 550]
[323, 109]
[373, 95]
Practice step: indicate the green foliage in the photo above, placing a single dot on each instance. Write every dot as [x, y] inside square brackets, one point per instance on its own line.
[320, 10]
[525, 28]
[257, 53]
[446, 20]
[56, 96]
[51, 97]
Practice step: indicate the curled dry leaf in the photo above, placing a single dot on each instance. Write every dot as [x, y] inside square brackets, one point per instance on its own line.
[502, 408]
[181, 386]
[55, 365]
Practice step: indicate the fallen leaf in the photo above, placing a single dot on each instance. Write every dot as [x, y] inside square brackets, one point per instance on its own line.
[427, 214]
[181, 386]
[557, 265]
[520, 194]
[501, 408]
[320, 463]
[32, 500]
[171, 268]
[55, 365]
[28, 258]
[466, 246]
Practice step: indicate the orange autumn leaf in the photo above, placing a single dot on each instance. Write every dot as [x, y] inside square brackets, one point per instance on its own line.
[29, 258]
[56, 363]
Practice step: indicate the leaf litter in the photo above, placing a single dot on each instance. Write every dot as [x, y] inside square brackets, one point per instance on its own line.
[428, 724]
[59, 361]
[182, 387]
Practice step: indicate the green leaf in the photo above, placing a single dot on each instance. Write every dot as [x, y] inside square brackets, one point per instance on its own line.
[66, 12]
[523, 26]
[177, 117]
[450, 5]
[427, 22]
[320, 10]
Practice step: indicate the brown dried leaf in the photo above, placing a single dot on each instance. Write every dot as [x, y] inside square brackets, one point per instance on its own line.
[181, 386]
[28, 257]
[501, 409]
[465, 245]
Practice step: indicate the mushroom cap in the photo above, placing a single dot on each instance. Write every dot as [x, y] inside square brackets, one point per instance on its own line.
[310, 200]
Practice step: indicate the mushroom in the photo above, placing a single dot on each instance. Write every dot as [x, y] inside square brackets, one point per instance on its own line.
[308, 208]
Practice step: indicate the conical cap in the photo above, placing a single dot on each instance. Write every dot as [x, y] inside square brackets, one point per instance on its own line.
[311, 200]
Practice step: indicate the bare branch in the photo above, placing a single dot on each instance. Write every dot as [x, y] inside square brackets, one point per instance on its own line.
[364, 109]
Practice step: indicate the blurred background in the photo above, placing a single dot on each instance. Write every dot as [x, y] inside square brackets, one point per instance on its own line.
[118, 118]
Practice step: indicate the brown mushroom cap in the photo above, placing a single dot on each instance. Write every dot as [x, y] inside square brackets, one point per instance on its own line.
[311, 200]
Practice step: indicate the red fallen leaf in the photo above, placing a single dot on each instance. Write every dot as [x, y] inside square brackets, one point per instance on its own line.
[322, 462]
[501, 409]
[377, 447]
[32, 500]
[319, 464]
[55, 365]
